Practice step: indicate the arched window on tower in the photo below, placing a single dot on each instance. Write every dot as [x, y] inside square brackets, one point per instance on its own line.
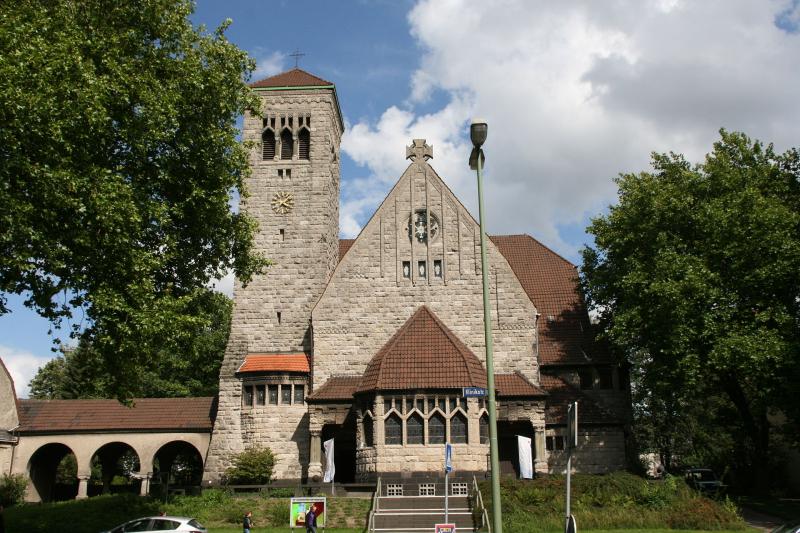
[394, 429]
[304, 144]
[414, 430]
[436, 432]
[287, 144]
[458, 429]
[268, 145]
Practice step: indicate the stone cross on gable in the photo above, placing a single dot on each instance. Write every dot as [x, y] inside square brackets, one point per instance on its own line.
[419, 151]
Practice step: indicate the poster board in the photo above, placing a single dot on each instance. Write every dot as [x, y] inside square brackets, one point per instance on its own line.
[298, 507]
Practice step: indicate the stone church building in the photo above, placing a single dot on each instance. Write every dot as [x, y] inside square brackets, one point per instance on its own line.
[370, 341]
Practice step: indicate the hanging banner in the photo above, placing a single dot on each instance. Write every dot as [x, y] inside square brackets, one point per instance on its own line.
[525, 457]
[330, 466]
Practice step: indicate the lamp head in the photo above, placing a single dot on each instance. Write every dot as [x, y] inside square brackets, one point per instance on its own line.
[478, 131]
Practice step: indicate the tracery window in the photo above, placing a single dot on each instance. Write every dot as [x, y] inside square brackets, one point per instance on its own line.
[369, 430]
[304, 144]
[414, 430]
[458, 429]
[484, 429]
[436, 429]
[268, 145]
[287, 144]
[393, 429]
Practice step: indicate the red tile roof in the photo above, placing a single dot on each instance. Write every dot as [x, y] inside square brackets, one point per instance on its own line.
[344, 246]
[423, 354]
[560, 394]
[292, 78]
[294, 362]
[148, 414]
[336, 388]
[551, 283]
[515, 385]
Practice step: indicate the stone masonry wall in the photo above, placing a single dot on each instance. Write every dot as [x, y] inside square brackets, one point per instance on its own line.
[304, 255]
[601, 449]
[368, 298]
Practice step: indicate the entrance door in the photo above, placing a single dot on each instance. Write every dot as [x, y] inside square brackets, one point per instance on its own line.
[344, 449]
[507, 444]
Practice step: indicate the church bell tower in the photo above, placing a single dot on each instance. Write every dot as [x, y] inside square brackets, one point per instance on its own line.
[294, 196]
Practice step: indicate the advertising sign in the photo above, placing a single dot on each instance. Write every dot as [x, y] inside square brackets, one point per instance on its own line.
[445, 528]
[299, 508]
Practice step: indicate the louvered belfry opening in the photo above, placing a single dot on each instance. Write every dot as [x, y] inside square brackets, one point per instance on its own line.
[304, 144]
[268, 145]
[287, 144]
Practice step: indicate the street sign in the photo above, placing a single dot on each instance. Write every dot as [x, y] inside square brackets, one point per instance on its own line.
[448, 457]
[572, 426]
[474, 392]
[445, 528]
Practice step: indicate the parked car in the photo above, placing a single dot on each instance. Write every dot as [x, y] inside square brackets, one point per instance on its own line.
[704, 480]
[792, 527]
[160, 524]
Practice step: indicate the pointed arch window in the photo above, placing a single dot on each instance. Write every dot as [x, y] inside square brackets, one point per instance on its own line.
[414, 430]
[287, 144]
[268, 145]
[458, 429]
[484, 429]
[394, 429]
[436, 429]
[304, 144]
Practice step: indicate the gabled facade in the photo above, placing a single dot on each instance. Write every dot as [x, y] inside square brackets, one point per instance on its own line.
[370, 341]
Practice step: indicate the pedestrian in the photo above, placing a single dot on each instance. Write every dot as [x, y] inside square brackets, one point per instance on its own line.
[247, 523]
[311, 520]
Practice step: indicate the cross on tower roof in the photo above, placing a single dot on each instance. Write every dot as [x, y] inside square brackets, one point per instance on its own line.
[296, 55]
[419, 150]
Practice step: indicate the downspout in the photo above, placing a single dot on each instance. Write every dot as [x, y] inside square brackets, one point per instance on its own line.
[536, 345]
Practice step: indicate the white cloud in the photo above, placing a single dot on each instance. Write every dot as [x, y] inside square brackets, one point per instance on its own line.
[267, 64]
[224, 284]
[575, 93]
[22, 365]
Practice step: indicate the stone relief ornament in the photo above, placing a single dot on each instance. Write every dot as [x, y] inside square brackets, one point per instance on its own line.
[418, 226]
[282, 202]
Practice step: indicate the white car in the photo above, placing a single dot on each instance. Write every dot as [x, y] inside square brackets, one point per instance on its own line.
[161, 524]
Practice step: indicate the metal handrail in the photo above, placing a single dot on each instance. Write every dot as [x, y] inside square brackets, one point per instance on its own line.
[479, 503]
[375, 506]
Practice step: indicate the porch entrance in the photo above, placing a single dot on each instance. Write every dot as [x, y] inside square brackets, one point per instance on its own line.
[507, 444]
[344, 449]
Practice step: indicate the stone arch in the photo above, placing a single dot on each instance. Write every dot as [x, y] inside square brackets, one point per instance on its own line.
[43, 471]
[113, 460]
[177, 464]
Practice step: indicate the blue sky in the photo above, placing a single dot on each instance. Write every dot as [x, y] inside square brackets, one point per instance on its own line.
[574, 93]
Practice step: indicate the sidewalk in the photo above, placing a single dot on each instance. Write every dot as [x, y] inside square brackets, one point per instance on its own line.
[762, 521]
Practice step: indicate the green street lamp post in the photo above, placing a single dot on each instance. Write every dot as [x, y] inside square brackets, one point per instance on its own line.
[477, 132]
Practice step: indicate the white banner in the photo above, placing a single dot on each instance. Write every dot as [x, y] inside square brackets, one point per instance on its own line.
[525, 457]
[330, 467]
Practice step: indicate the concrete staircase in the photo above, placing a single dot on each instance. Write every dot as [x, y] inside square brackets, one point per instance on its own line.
[419, 513]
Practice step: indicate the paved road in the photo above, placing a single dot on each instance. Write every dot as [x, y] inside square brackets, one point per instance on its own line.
[758, 520]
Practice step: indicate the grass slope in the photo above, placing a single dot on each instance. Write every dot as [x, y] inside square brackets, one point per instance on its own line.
[613, 502]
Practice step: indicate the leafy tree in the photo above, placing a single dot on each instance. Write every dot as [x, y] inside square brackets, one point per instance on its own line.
[694, 274]
[251, 467]
[12, 488]
[186, 360]
[118, 161]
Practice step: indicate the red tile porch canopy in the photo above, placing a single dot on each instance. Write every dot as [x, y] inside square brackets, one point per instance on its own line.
[258, 362]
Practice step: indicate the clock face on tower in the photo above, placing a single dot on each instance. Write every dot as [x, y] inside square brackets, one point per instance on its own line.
[282, 202]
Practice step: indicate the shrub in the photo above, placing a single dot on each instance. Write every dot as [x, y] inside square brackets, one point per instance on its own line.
[12, 488]
[251, 467]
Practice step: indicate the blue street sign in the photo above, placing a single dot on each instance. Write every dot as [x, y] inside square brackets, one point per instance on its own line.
[473, 392]
[448, 457]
